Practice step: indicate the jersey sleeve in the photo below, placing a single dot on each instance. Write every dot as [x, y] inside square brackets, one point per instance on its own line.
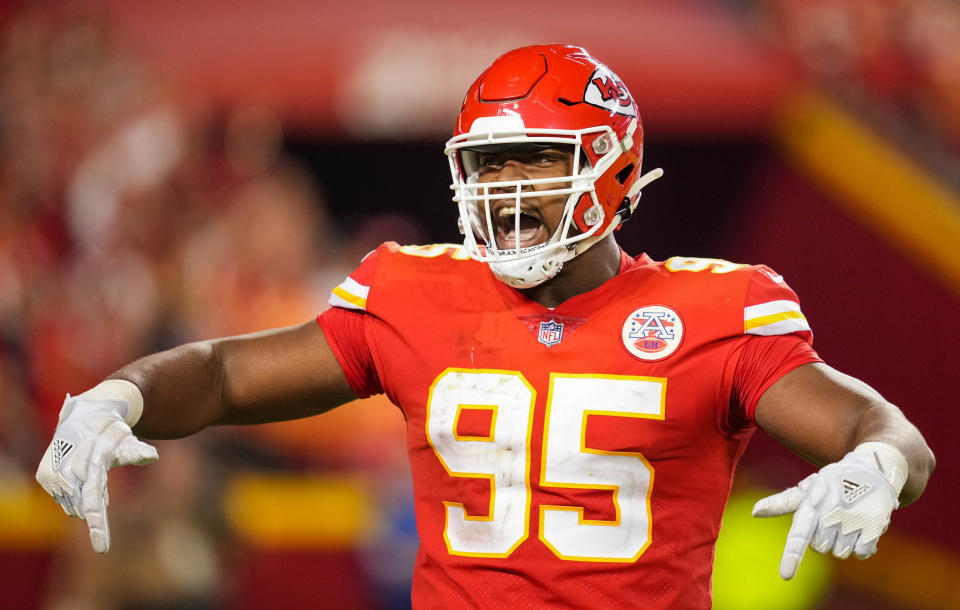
[345, 333]
[345, 327]
[777, 339]
[771, 308]
[353, 292]
[761, 362]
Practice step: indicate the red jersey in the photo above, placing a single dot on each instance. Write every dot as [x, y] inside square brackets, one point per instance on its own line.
[579, 456]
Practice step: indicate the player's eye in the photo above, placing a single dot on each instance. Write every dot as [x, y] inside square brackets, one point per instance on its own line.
[488, 161]
[547, 157]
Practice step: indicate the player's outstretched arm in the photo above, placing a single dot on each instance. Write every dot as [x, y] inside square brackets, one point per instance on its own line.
[270, 376]
[874, 460]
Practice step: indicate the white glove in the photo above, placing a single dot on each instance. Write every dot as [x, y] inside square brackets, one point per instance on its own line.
[844, 507]
[93, 435]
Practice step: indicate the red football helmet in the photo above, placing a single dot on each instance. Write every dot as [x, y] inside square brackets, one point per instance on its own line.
[548, 95]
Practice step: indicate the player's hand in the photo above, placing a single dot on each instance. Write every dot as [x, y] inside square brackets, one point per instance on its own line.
[93, 435]
[843, 508]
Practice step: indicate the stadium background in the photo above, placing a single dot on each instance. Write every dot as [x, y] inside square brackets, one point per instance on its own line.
[178, 170]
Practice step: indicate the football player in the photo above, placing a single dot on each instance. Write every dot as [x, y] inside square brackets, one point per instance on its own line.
[574, 414]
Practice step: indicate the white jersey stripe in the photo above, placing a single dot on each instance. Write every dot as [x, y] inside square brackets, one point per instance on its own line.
[774, 318]
[781, 327]
[768, 308]
[350, 294]
[336, 300]
[355, 288]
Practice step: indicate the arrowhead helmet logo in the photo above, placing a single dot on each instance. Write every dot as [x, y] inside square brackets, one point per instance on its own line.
[604, 90]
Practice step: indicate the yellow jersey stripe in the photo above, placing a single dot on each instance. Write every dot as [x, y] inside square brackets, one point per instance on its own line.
[770, 319]
[350, 298]
[770, 307]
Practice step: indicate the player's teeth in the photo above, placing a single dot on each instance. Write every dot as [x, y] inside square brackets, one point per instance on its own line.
[509, 210]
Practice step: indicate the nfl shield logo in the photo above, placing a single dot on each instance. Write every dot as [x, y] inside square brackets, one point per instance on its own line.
[551, 333]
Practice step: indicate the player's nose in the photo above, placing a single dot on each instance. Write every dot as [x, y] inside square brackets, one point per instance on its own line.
[509, 171]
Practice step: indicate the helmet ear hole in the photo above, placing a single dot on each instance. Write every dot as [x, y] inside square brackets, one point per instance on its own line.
[623, 174]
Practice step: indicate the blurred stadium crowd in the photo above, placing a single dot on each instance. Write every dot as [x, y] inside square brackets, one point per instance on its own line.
[131, 222]
[899, 57]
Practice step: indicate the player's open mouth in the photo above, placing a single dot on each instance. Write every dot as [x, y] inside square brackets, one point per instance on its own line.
[532, 231]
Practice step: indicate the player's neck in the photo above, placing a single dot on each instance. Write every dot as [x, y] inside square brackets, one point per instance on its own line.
[582, 274]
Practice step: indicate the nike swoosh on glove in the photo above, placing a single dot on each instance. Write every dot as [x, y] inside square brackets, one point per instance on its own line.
[93, 435]
[843, 508]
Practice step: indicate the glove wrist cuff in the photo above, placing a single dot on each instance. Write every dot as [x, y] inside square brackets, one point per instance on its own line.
[890, 462]
[119, 389]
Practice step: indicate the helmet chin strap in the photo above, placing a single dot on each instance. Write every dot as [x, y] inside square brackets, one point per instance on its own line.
[531, 271]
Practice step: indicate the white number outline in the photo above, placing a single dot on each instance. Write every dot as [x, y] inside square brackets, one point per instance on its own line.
[615, 489]
[453, 507]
